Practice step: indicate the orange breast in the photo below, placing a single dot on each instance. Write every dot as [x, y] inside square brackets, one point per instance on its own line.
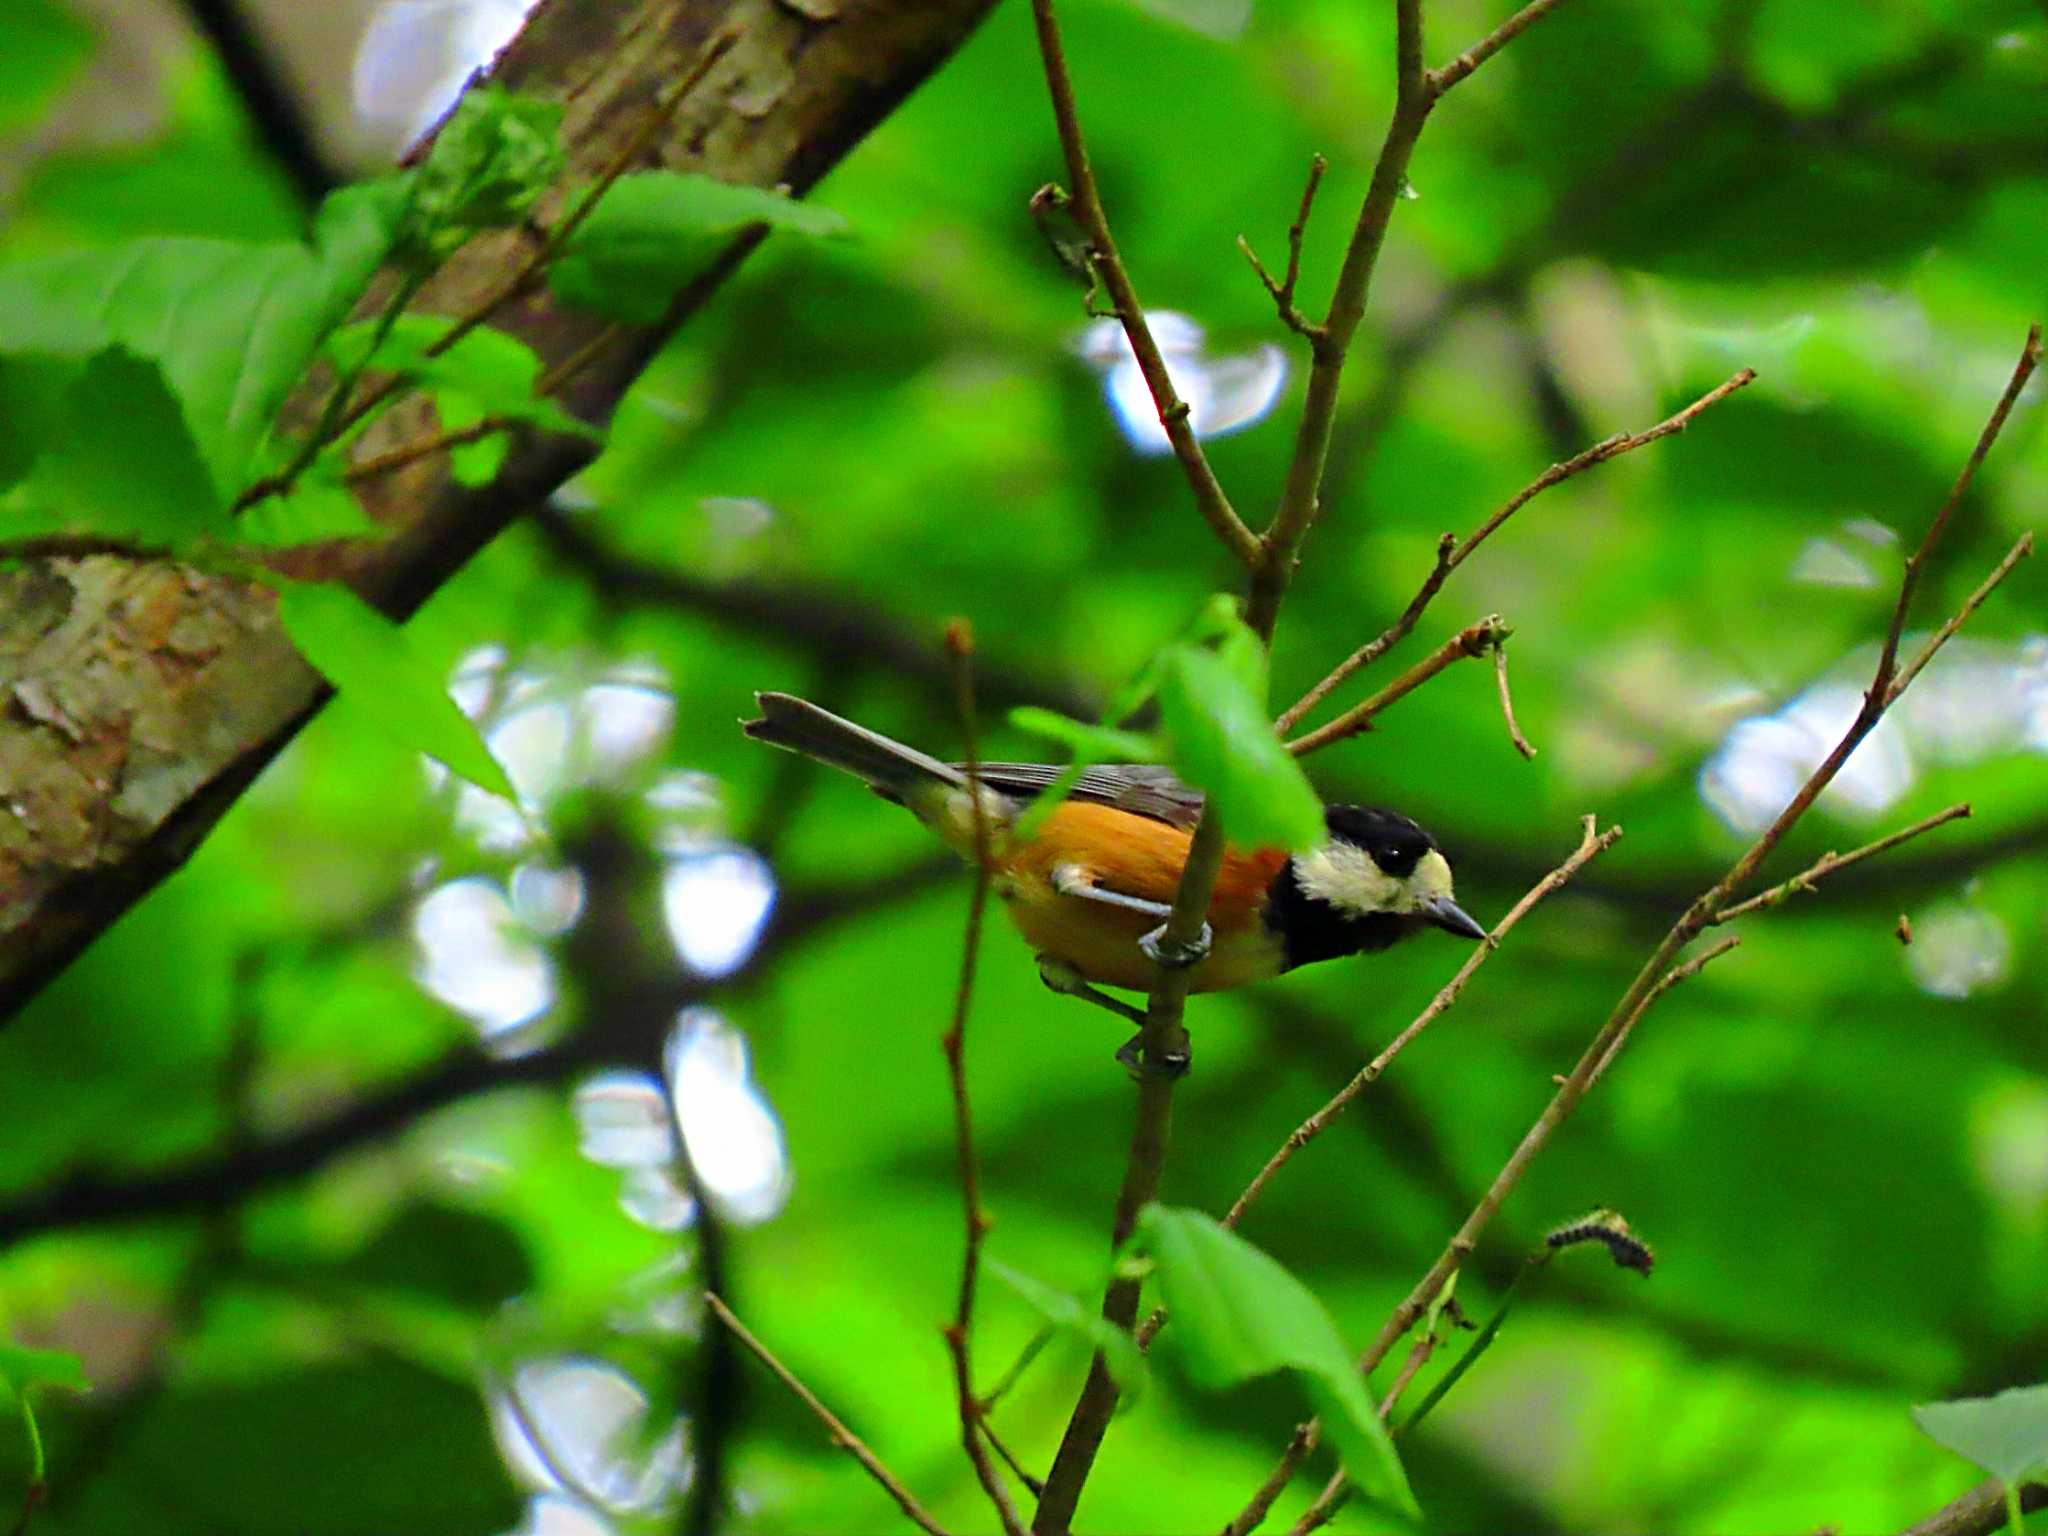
[1135, 856]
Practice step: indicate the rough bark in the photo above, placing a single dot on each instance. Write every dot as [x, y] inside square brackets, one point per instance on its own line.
[138, 699]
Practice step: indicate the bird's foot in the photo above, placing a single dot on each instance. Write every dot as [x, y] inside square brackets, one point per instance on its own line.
[1162, 951]
[1132, 1054]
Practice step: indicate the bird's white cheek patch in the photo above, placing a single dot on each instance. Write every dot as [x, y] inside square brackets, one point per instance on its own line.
[1344, 875]
[1432, 879]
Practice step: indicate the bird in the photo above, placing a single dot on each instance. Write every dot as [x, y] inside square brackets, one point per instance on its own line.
[1091, 888]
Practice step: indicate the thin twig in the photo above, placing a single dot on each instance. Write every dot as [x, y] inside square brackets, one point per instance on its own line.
[1283, 290]
[1507, 702]
[1301, 493]
[1452, 552]
[842, 1437]
[1629, 1010]
[1164, 1039]
[1684, 971]
[1088, 213]
[2030, 355]
[1828, 863]
[426, 447]
[1592, 843]
[1981, 1511]
[1441, 80]
[960, 1332]
[1473, 640]
[2020, 550]
[1658, 973]
[1034, 1485]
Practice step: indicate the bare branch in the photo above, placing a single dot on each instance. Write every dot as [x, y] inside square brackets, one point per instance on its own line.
[2030, 356]
[1441, 80]
[1300, 496]
[960, 1332]
[1306, 1437]
[2020, 550]
[1651, 980]
[1473, 640]
[1592, 843]
[1507, 701]
[1828, 863]
[1683, 971]
[1087, 210]
[1980, 1512]
[1452, 552]
[1283, 290]
[842, 1437]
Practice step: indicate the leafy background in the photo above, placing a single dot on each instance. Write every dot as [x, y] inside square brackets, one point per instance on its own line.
[296, 1157]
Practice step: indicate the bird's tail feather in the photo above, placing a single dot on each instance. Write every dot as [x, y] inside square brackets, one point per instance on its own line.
[888, 767]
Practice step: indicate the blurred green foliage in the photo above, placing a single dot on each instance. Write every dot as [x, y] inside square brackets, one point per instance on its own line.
[295, 1222]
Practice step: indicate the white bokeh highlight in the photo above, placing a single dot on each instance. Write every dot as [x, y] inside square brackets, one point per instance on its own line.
[1958, 949]
[415, 56]
[1976, 700]
[734, 1140]
[575, 1428]
[1223, 394]
[476, 956]
[716, 905]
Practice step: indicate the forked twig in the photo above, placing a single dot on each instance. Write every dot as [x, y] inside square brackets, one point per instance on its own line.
[842, 1437]
[1452, 552]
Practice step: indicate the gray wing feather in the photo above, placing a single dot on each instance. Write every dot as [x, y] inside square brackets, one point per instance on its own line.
[1144, 789]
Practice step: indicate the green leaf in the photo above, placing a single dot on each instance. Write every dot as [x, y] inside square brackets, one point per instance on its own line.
[316, 508]
[233, 326]
[1097, 743]
[2006, 1435]
[1238, 1314]
[120, 463]
[369, 660]
[22, 1368]
[1224, 745]
[494, 373]
[1071, 1314]
[475, 463]
[33, 387]
[651, 233]
[488, 166]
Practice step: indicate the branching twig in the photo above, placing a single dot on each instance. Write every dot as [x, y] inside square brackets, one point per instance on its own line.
[1283, 290]
[960, 1332]
[842, 1437]
[1452, 552]
[1828, 863]
[1489, 634]
[1592, 843]
[1652, 978]
[1329, 343]
[1087, 212]
[1441, 80]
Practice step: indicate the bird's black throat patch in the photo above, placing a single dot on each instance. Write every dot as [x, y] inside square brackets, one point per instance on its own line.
[1311, 929]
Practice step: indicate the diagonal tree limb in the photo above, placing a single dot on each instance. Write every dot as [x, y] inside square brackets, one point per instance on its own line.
[139, 699]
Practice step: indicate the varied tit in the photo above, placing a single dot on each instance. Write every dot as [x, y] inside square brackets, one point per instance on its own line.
[1092, 888]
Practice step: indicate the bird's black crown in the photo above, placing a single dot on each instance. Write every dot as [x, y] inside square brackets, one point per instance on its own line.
[1395, 843]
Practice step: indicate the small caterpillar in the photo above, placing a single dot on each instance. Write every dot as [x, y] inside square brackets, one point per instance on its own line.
[1610, 1229]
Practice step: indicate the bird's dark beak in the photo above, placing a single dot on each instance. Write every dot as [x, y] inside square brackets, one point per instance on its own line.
[1444, 913]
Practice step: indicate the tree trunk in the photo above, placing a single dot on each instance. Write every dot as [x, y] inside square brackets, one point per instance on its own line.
[138, 699]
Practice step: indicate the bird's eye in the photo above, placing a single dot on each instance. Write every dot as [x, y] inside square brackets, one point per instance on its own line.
[1386, 858]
